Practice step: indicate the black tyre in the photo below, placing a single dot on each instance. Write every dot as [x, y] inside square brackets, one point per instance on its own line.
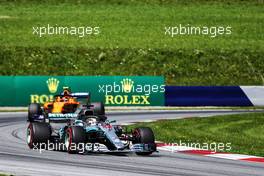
[98, 108]
[33, 109]
[74, 136]
[144, 135]
[38, 134]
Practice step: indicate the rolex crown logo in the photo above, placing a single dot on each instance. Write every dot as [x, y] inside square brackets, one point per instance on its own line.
[127, 85]
[53, 84]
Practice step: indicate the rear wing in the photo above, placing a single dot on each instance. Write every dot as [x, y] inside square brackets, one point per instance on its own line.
[81, 95]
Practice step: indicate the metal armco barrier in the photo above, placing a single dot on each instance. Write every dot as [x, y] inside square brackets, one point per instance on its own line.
[214, 96]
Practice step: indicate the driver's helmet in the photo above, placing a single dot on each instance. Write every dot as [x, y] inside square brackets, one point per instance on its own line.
[66, 91]
[91, 121]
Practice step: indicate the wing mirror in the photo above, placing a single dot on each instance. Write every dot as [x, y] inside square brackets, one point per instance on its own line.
[112, 121]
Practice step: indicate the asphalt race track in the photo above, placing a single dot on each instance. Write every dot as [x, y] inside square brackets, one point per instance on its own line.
[17, 159]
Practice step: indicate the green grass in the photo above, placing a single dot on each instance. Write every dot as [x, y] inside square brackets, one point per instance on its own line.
[132, 40]
[1, 174]
[245, 132]
[180, 67]
[133, 26]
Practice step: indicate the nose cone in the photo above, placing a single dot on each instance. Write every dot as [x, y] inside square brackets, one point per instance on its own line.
[118, 144]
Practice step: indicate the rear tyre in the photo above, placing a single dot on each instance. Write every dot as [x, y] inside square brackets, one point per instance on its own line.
[38, 134]
[144, 135]
[74, 136]
[33, 110]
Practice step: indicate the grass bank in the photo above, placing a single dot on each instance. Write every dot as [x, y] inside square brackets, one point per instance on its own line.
[132, 40]
[245, 132]
[133, 26]
[180, 67]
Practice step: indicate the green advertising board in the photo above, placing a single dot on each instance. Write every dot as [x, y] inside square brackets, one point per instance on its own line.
[112, 90]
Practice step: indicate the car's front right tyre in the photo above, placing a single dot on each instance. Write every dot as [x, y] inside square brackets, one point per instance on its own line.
[38, 134]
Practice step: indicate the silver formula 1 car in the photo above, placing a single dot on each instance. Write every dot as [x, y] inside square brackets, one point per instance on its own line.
[84, 131]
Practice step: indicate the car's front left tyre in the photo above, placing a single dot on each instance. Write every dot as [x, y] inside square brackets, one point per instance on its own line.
[144, 135]
[74, 139]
